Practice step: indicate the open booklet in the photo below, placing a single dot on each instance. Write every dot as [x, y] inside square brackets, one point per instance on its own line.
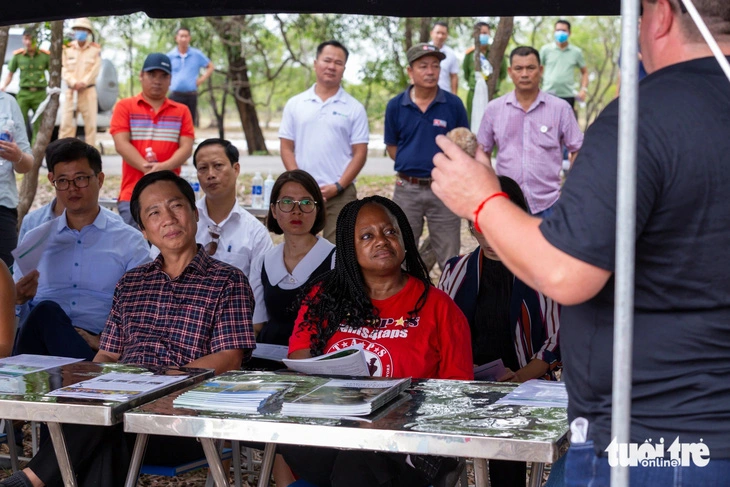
[117, 386]
[345, 397]
[348, 361]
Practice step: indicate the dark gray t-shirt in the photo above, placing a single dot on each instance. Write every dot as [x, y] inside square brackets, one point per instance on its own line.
[681, 370]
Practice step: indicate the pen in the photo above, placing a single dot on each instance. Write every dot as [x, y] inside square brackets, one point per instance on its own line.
[229, 248]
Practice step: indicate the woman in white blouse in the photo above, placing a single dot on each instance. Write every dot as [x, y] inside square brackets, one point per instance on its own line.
[297, 211]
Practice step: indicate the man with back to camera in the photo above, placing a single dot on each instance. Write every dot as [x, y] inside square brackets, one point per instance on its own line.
[529, 127]
[449, 75]
[187, 62]
[325, 132]
[682, 287]
[81, 66]
[412, 120]
[151, 132]
[87, 250]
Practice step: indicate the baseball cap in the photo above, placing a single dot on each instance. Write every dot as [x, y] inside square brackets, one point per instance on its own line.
[157, 60]
[423, 49]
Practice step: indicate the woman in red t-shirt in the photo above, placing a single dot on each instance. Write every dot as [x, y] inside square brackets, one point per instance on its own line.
[381, 297]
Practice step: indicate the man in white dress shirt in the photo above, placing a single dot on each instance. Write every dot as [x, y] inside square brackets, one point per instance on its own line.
[228, 232]
[449, 75]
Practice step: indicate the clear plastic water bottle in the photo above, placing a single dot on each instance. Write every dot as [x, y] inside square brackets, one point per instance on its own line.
[150, 155]
[257, 191]
[268, 187]
[6, 134]
[189, 174]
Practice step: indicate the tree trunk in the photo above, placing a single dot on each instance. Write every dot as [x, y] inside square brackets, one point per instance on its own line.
[3, 40]
[29, 185]
[408, 34]
[497, 50]
[424, 34]
[230, 32]
[219, 116]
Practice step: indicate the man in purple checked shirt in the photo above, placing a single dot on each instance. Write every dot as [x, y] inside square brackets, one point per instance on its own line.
[529, 126]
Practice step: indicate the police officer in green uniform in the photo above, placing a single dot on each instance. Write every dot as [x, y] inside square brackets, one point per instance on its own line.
[33, 64]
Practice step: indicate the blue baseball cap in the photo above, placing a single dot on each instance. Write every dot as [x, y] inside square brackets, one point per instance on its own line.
[157, 60]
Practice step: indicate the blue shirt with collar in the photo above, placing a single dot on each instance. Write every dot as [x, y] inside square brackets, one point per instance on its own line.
[79, 269]
[186, 68]
[414, 132]
[45, 214]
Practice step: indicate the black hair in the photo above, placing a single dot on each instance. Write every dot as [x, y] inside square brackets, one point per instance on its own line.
[152, 178]
[441, 23]
[182, 27]
[310, 186]
[72, 149]
[524, 51]
[230, 149]
[341, 296]
[563, 21]
[479, 26]
[514, 192]
[332, 43]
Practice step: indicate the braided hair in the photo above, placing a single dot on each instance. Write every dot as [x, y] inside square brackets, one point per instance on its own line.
[341, 296]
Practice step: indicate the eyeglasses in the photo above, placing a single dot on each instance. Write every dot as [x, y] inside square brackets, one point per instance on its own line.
[79, 182]
[215, 233]
[305, 206]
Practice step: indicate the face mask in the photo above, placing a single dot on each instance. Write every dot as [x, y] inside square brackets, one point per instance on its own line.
[81, 35]
[484, 39]
[561, 36]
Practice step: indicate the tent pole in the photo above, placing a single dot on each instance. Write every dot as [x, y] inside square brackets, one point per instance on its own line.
[625, 234]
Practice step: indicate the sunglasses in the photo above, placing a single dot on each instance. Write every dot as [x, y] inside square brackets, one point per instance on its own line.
[215, 234]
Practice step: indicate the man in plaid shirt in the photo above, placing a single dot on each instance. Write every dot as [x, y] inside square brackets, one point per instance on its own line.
[182, 309]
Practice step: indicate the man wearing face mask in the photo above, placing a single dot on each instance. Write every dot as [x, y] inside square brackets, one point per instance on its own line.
[81, 65]
[560, 60]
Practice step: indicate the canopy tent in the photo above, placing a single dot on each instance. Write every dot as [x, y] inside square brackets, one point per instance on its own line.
[42, 10]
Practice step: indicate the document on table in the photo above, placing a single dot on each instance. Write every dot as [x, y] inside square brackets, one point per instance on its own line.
[117, 386]
[491, 371]
[538, 393]
[28, 253]
[348, 361]
[27, 363]
[270, 351]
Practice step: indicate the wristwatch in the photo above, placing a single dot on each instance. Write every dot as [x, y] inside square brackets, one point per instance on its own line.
[339, 187]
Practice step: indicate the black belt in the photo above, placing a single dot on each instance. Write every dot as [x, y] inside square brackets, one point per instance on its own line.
[412, 180]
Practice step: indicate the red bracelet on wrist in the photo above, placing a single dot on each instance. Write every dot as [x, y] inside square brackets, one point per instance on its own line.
[479, 208]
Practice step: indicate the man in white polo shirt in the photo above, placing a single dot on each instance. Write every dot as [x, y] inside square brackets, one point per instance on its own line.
[324, 131]
[449, 75]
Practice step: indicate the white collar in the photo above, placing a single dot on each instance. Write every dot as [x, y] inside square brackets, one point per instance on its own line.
[235, 212]
[276, 270]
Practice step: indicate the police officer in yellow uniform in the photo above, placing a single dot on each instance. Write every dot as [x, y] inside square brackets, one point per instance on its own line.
[81, 65]
[33, 64]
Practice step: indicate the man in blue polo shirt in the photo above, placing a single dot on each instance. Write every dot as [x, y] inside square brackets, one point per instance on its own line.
[413, 119]
[186, 64]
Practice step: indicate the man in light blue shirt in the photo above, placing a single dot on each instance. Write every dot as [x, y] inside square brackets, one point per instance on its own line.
[186, 64]
[86, 252]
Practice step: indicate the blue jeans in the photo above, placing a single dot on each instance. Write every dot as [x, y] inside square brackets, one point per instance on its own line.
[583, 468]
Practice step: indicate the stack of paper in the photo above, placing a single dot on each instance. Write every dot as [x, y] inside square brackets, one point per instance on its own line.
[117, 386]
[12, 369]
[345, 397]
[230, 395]
[538, 393]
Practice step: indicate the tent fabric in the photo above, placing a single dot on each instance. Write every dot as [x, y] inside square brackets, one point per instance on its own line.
[42, 10]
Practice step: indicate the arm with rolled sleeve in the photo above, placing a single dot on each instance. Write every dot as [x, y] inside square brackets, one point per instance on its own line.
[571, 134]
